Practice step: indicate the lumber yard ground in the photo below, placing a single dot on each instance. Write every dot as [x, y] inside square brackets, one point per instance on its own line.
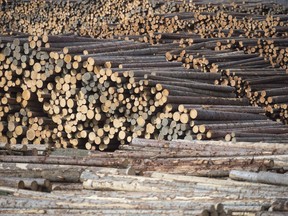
[143, 107]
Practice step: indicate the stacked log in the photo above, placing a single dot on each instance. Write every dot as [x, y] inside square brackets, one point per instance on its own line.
[194, 75]
[243, 76]
[109, 182]
[146, 20]
[83, 104]
[87, 102]
[182, 22]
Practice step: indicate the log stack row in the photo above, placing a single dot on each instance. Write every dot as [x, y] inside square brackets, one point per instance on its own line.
[145, 20]
[70, 97]
[64, 74]
[253, 77]
[173, 175]
[163, 70]
[94, 94]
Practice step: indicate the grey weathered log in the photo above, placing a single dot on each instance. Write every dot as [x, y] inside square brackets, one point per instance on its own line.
[86, 161]
[261, 177]
[55, 173]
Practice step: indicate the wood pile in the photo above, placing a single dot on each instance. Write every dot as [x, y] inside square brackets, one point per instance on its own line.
[197, 89]
[252, 77]
[96, 94]
[149, 177]
[88, 93]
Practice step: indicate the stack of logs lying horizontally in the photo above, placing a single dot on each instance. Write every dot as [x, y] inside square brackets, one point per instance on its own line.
[87, 93]
[149, 178]
[95, 94]
[153, 72]
[73, 99]
[252, 77]
[157, 22]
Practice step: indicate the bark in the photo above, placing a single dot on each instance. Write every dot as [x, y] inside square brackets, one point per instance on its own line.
[280, 205]
[66, 186]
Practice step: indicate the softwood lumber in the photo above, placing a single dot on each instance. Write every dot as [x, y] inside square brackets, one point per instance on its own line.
[161, 195]
[207, 100]
[268, 160]
[67, 134]
[96, 74]
[98, 181]
[155, 180]
[212, 171]
[195, 179]
[203, 190]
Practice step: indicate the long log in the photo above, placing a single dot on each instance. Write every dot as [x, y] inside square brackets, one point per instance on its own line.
[261, 177]
[66, 161]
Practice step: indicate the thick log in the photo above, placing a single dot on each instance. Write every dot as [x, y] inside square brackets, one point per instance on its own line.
[261, 177]
[56, 173]
[12, 182]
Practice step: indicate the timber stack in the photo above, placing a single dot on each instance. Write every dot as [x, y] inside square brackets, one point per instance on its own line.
[197, 89]
[109, 90]
[149, 177]
[82, 100]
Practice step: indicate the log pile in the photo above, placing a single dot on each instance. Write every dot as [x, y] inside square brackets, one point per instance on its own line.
[167, 77]
[251, 77]
[165, 182]
[95, 94]
[74, 99]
